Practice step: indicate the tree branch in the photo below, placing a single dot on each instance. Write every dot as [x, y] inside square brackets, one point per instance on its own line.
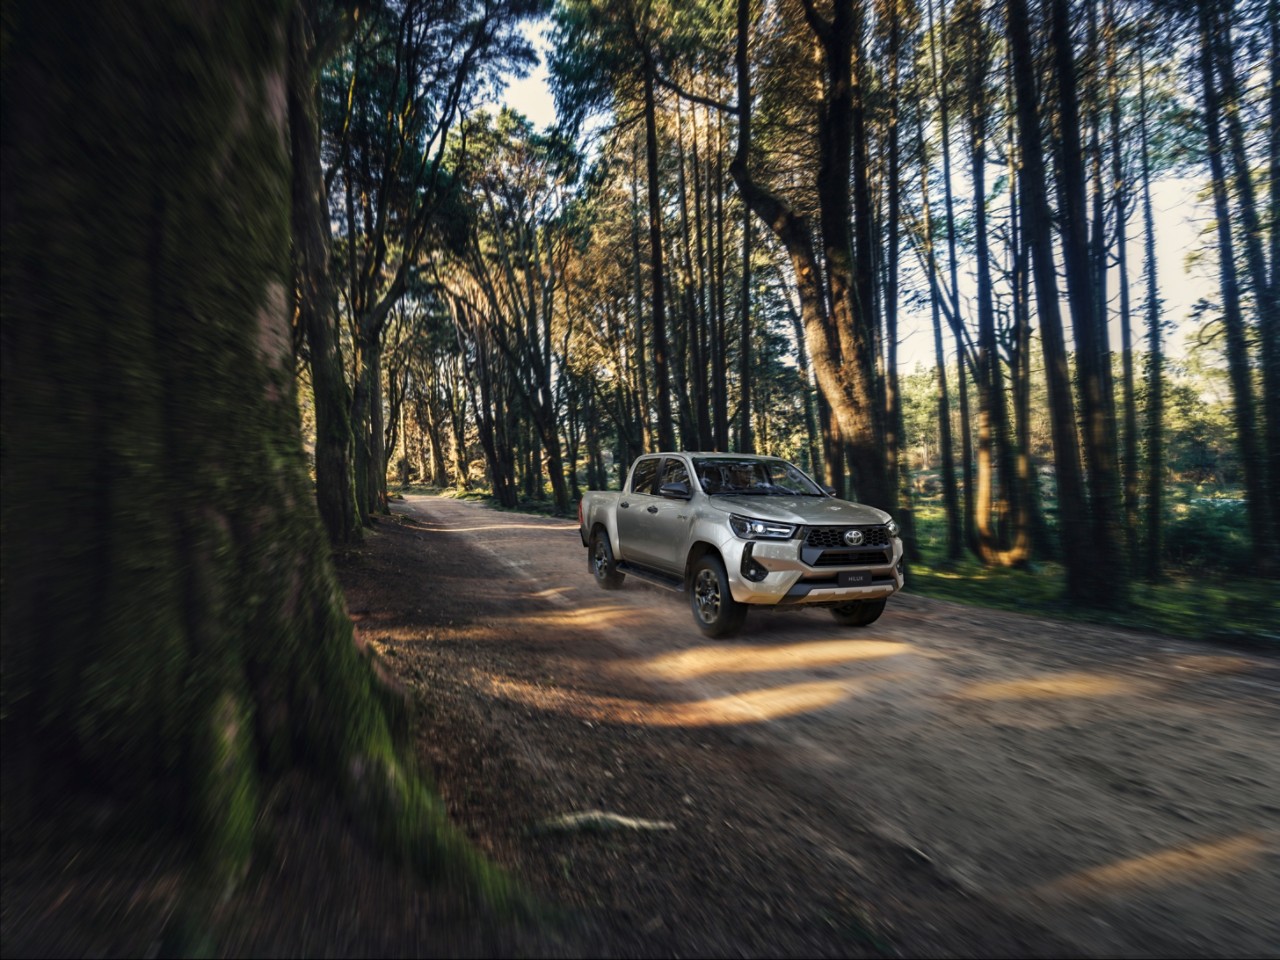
[684, 94]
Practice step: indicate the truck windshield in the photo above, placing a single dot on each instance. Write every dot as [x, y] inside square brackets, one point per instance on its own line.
[753, 478]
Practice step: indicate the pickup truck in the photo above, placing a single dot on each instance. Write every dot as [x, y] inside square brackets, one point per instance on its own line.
[733, 530]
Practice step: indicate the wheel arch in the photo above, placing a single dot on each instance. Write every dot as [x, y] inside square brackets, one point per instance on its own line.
[602, 523]
[697, 550]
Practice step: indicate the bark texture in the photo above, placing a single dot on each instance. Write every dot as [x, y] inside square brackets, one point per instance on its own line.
[172, 630]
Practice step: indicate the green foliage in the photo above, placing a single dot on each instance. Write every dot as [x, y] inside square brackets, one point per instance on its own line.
[1199, 429]
[1205, 533]
[1209, 597]
[1229, 609]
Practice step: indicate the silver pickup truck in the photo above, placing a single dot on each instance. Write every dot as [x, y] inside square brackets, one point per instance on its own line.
[734, 530]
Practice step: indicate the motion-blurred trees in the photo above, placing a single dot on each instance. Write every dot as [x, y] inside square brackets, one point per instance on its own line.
[172, 631]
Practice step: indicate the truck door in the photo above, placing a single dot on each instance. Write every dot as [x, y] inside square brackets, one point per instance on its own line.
[633, 516]
[668, 520]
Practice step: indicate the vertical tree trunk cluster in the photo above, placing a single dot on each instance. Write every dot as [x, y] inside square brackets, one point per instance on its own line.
[1259, 449]
[1073, 508]
[835, 290]
[172, 631]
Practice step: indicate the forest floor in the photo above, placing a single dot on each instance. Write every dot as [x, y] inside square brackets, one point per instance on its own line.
[948, 782]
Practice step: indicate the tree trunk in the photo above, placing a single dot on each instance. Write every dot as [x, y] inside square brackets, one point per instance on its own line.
[335, 492]
[1271, 331]
[1266, 293]
[966, 440]
[696, 316]
[998, 520]
[360, 432]
[458, 424]
[832, 448]
[1106, 587]
[375, 464]
[641, 393]
[896, 456]
[1026, 475]
[946, 453]
[666, 430]
[842, 139]
[812, 434]
[171, 624]
[956, 538]
[1237, 345]
[435, 439]
[1073, 515]
[745, 442]
[966, 449]
[1155, 342]
[720, 342]
[1120, 204]
[840, 338]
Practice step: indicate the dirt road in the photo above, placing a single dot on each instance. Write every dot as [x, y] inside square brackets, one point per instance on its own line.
[1120, 790]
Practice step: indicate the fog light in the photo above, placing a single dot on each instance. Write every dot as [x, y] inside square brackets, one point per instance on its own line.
[750, 568]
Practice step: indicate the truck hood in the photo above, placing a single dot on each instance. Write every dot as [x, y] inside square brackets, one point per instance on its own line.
[807, 511]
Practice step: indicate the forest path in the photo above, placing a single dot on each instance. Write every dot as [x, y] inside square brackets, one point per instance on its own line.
[1121, 790]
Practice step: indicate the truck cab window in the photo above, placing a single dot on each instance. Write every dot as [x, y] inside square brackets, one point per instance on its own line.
[645, 473]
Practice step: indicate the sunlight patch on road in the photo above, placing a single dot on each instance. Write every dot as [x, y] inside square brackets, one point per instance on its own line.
[755, 706]
[1051, 687]
[1198, 863]
[744, 658]
[553, 593]
[378, 634]
[1214, 663]
[590, 616]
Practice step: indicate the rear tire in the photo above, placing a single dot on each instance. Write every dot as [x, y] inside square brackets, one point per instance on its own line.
[859, 613]
[603, 566]
[715, 611]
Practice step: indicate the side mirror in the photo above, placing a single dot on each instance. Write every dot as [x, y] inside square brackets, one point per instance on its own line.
[675, 491]
[831, 491]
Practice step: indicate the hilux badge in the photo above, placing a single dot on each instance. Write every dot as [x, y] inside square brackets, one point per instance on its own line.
[853, 537]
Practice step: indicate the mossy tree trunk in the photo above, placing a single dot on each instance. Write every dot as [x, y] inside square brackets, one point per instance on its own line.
[171, 624]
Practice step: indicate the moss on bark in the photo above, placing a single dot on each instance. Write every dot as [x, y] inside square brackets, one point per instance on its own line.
[171, 623]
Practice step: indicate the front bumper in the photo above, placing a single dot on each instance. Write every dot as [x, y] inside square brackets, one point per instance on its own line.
[791, 581]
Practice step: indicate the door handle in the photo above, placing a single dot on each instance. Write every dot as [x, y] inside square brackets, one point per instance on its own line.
[653, 509]
[624, 504]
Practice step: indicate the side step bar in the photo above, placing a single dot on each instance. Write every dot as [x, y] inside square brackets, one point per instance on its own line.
[652, 576]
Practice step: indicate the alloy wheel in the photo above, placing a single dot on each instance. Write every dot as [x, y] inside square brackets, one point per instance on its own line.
[707, 594]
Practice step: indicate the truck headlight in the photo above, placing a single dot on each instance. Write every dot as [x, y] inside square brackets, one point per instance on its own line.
[892, 526]
[749, 528]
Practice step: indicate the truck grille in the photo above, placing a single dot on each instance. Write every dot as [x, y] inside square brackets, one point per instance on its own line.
[850, 558]
[834, 536]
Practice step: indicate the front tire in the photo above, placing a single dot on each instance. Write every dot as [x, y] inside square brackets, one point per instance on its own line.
[715, 611]
[859, 613]
[603, 566]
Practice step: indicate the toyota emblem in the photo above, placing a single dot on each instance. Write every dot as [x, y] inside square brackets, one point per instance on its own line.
[853, 537]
